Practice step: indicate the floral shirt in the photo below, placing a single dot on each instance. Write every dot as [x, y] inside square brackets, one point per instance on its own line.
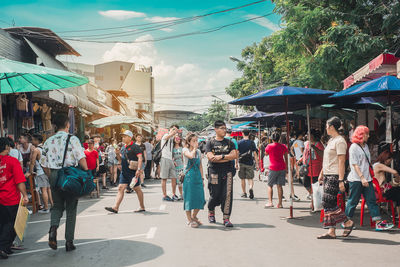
[53, 151]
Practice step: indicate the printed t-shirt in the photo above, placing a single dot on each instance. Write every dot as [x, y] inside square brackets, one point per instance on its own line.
[246, 147]
[91, 159]
[10, 176]
[276, 152]
[298, 145]
[336, 146]
[130, 152]
[223, 147]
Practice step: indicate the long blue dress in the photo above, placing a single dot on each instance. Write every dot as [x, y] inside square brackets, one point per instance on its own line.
[193, 191]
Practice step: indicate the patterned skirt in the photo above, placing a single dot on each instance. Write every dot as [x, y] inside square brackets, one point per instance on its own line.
[332, 213]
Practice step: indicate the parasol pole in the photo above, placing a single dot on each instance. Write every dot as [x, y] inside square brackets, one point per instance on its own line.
[309, 147]
[288, 157]
[1, 116]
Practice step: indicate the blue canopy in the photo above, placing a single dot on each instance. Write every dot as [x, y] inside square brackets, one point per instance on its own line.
[383, 86]
[253, 116]
[274, 100]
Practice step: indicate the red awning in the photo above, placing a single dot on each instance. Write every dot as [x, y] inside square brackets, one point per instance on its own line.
[384, 64]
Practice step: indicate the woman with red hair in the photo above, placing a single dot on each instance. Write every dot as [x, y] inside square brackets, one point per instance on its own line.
[360, 179]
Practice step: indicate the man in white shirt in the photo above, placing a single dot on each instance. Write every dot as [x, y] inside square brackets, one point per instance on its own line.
[52, 162]
[166, 163]
[149, 158]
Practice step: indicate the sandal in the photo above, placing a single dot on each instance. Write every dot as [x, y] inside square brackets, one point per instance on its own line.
[111, 210]
[270, 205]
[141, 210]
[194, 224]
[347, 230]
[326, 236]
[197, 221]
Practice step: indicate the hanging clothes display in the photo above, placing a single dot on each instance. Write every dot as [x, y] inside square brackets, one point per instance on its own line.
[71, 116]
[37, 117]
[46, 118]
[24, 110]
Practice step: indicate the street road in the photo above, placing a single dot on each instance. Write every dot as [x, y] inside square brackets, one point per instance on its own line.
[160, 237]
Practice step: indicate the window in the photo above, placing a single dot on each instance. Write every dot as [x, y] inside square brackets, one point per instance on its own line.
[121, 78]
[121, 68]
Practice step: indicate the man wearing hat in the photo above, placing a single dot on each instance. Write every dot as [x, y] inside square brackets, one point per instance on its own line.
[129, 177]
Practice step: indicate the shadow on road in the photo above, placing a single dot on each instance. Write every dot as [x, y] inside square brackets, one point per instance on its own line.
[374, 241]
[110, 253]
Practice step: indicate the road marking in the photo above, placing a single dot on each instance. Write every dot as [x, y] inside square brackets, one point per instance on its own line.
[95, 215]
[151, 233]
[163, 206]
[86, 243]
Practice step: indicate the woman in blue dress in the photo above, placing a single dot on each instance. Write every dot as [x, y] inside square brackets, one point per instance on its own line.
[193, 185]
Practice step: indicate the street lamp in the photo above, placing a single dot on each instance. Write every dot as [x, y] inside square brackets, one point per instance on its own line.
[259, 74]
[227, 107]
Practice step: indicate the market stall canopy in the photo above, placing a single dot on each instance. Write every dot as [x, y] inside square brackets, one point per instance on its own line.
[383, 86]
[362, 103]
[273, 100]
[19, 77]
[383, 64]
[116, 120]
[253, 116]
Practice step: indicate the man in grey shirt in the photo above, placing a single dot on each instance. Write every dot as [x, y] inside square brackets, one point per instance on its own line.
[149, 149]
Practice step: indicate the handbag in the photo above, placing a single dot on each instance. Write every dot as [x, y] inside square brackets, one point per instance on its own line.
[132, 164]
[72, 180]
[183, 174]
[158, 153]
[304, 168]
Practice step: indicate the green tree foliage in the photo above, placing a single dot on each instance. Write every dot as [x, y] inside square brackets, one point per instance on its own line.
[320, 44]
[195, 124]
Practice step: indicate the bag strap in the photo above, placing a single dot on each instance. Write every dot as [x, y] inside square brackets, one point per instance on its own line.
[187, 170]
[66, 150]
[365, 156]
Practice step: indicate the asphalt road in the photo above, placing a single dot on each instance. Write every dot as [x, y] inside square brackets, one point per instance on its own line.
[160, 237]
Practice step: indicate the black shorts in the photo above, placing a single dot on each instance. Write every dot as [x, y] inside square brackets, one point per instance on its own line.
[126, 180]
[307, 181]
[102, 169]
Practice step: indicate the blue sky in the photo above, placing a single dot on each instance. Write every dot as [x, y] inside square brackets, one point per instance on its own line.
[198, 63]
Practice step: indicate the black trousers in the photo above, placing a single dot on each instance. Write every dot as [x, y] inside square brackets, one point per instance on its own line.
[220, 187]
[7, 220]
[147, 169]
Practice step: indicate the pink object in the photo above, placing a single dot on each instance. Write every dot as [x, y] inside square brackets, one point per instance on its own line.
[276, 152]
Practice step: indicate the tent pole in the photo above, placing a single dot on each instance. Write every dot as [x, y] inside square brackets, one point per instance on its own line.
[1, 116]
[288, 158]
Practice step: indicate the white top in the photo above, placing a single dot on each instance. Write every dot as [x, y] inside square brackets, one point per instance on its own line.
[186, 159]
[39, 169]
[357, 156]
[149, 149]
[167, 150]
[15, 154]
[297, 146]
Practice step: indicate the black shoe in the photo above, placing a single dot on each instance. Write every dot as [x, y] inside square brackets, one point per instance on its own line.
[251, 194]
[53, 237]
[143, 185]
[9, 251]
[244, 195]
[69, 246]
[3, 255]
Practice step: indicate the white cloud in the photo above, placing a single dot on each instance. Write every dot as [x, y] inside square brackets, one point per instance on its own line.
[161, 19]
[122, 14]
[264, 22]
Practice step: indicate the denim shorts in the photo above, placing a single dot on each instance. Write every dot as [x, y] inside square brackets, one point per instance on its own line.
[276, 178]
[125, 180]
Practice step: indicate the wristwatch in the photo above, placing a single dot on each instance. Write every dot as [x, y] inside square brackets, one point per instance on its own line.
[223, 156]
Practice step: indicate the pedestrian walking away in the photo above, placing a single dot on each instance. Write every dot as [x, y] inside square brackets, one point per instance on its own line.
[52, 162]
[332, 177]
[12, 185]
[247, 155]
[167, 165]
[220, 154]
[360, 178]
[149, 158]
[112, 160]
[193, 183]
[277, 153]
[130, 156]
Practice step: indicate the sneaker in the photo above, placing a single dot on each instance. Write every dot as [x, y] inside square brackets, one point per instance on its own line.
[309, 197]
[211, 218]
[175, 198]
[45, 211]
[283, 198]
[228, 223]
[251, 194]
[295, 198]
[244, 195]
[383, 225]
[167, 198]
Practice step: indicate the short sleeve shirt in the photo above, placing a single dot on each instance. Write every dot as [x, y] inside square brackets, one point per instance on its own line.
[53, 151]
[91, 159]
[276, 152]
[298, 145]
[223, 147]
[336, 146]
[167, 149]
[130, 152]
[246, 148]
[358, 157]
[10, 176]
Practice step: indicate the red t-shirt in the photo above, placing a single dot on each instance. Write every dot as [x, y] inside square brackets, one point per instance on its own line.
[10, 176]
[316, 160]
[91, 159]
[276, 152]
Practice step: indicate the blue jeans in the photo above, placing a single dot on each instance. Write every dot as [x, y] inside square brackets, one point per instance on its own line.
[356, 189]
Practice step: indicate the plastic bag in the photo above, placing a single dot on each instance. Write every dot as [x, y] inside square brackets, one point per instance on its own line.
[318, 191]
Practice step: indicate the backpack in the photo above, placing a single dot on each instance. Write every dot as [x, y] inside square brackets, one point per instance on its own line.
[72, 180]
[157, 152]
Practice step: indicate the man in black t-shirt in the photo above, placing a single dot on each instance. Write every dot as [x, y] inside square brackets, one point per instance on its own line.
[220, 152]
[247, 154]
[129, 152]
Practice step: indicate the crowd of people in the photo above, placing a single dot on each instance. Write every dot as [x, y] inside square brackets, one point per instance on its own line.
[339, 163]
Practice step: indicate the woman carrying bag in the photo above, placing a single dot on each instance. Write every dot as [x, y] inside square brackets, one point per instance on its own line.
[193, 181]
[360, 178]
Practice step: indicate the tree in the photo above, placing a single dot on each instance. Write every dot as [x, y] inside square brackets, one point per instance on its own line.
[217, 111]
[195, 124]
[322, 42]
